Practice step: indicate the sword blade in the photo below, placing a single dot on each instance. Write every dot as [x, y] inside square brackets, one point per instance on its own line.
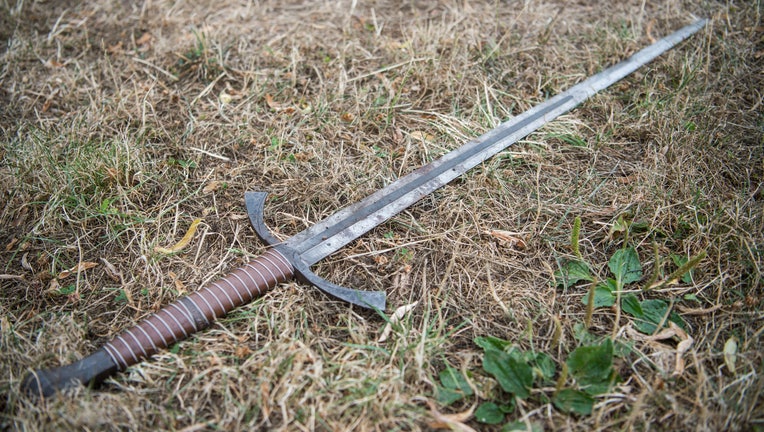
[331, 234]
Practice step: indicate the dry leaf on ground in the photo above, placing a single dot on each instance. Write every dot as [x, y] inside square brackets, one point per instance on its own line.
[145, 39]
[211, 186]
[275, 106]
[183, 242]
[665, 351]
[394, 319]
[25, 262]
[422, 136]
[511, 239]
[111, 271]
[453, 422]
[730, 354]
[84, 265]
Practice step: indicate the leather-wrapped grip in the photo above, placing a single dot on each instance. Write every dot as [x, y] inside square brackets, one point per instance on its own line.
[197, 310]
[173, 323]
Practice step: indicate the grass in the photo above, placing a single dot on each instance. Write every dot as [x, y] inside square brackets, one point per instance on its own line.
[120, 125]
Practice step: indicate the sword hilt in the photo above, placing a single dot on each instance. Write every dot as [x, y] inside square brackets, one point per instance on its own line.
[171, 324]
[255, 202]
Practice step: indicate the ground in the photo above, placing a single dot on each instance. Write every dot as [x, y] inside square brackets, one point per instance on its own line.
[123, 122]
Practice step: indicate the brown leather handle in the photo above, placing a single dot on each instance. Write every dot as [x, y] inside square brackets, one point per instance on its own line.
[173, 323]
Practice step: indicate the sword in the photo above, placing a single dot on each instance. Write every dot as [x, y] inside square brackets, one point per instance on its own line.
[294, 257]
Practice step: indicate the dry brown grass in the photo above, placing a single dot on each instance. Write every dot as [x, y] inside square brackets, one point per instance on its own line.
[113, 122]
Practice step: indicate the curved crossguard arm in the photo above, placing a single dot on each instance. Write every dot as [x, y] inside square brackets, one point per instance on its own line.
[255, 202]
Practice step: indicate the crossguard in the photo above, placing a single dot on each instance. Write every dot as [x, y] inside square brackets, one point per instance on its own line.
[255, 202]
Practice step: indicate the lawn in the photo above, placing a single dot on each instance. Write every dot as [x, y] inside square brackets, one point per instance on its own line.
[604, 273]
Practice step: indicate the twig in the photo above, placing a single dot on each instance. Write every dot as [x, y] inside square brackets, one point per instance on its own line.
[144, 62]
[386, 68]
[217, 156]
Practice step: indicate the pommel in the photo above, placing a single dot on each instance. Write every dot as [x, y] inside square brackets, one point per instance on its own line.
[90, 370]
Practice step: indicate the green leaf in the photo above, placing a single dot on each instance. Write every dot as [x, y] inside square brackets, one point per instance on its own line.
[649, 313]
[121, 297]
[522, 356]
[513, 376]
[592, 365]
[630, 304]
[655, 310]
[599, 388]
[454, 379]
[489, 413]
[573, 271]
[491, 343]
[640, 226]
[603, 294]
[66, 290]
[447, 396]
[454, 386]
[545, 366]
[573, 401]
[679, 261]
[582, 335]
[622, 349]
[625, 266]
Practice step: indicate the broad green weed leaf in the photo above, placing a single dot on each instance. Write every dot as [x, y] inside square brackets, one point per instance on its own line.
[545, 366]
[592, 365]
[513, 376]
[521, 356]
[454, 379]
[453, 386]
[599, 388]
[447, 396]
[582, 335]
[603, 294]
[573, 401]
[572, 272]
[648, 313]
[622, 349]
[630, 304]
[640, 226]
[625, 266]
[489, 413]
[491, 343]
[654, 311]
